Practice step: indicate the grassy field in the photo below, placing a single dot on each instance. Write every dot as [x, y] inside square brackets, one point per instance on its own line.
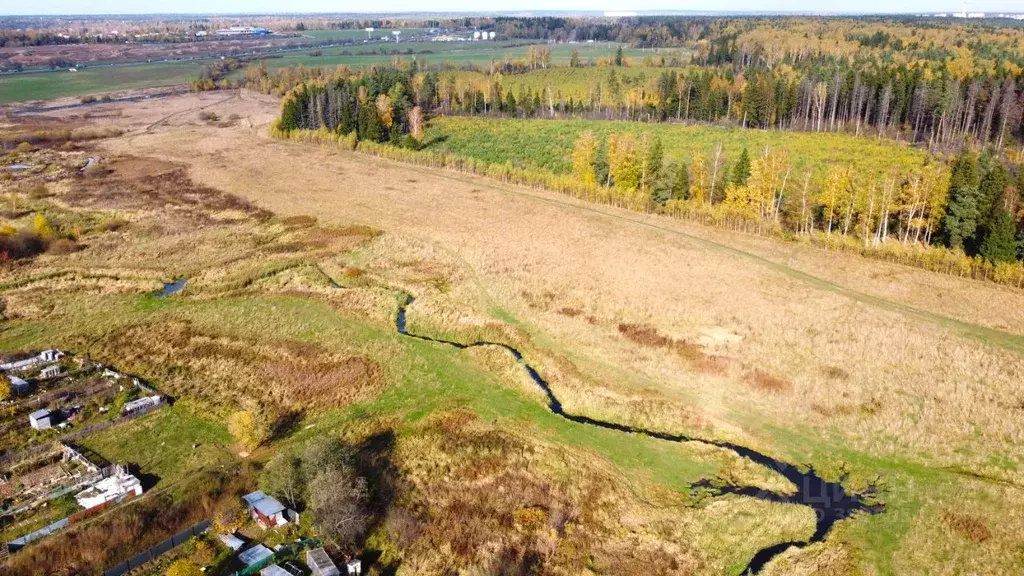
[547, 144]
[854, 367]
[100, 80]
[461, 418]
[166, 445]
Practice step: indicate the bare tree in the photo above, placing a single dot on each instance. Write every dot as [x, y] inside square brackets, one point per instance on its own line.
[339, 500]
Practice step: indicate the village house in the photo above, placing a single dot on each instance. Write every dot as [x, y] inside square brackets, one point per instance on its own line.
[267, 511]
[40, 419]
[144, 402]
[51, 371]
[50, 355]
[18, 385]
[320, 563]
[115, 488]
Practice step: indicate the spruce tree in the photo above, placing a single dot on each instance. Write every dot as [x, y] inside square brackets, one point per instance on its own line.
[741, 172]
[601, 162]
[681, 185]
[993, 187]
[961, 222]
[999, 244]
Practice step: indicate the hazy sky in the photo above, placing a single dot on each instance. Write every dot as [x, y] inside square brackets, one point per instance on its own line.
[12, 7]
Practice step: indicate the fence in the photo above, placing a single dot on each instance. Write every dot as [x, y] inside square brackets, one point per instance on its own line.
[155, 551]
[10, 459]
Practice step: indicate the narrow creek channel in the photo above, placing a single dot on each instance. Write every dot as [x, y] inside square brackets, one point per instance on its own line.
[172, 287]
[829, 500]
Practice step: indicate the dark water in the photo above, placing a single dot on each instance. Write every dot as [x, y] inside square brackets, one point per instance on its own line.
[829, 500]
[172, 287]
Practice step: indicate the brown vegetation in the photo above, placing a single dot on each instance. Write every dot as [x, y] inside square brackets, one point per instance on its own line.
[967, 525]
[117, 535]
[765, 382]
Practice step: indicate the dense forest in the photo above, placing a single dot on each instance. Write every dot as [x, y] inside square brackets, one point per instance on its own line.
[943, 85]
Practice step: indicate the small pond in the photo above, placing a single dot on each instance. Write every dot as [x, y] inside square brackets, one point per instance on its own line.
[172, 287]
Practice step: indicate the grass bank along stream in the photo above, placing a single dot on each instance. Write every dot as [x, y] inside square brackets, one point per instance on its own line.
[829, 500]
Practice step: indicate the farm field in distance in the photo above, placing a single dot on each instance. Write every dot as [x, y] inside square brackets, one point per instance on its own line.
[99, 80]
[664, 294]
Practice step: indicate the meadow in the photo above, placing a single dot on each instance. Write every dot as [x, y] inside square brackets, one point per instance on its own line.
[548, 144]
[632, 318]
[102, 80]
[94, 81]
[222, 344]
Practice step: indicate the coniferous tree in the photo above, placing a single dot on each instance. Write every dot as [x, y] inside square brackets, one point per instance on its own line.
[510, 103]
[601, 162]
[999, 244]
[741, 172]
[993, 186]
[961, 222]
[681, 183]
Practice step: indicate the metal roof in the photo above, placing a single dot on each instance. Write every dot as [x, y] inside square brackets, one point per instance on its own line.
[41, 413]
[318, 560]
[274, 570]
[266, 505]
[232, 541]
[255, 554]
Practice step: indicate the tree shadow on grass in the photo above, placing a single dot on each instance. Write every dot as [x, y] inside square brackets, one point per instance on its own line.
[373, 461]
[286, 425]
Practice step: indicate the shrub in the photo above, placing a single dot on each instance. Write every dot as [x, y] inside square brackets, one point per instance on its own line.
[88, 99]
[249, 428]
[183, 567]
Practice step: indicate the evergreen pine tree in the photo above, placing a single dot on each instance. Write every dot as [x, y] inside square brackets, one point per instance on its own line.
[741, 172]
[510, 103]
[681, 184]
[993, 187]
[961, 222]
[999, 244]
[601, 162]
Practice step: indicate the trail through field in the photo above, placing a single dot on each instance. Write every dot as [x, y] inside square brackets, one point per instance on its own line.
[991, 336]
[829, 500]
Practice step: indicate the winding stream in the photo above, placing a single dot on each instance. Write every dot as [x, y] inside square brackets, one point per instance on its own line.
[829, 500]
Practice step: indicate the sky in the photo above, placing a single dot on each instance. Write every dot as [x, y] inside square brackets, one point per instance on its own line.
[22, 7]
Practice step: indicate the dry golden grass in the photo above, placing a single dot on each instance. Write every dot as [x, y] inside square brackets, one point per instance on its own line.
[469, 253]
[800, 362]
[496, 499]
